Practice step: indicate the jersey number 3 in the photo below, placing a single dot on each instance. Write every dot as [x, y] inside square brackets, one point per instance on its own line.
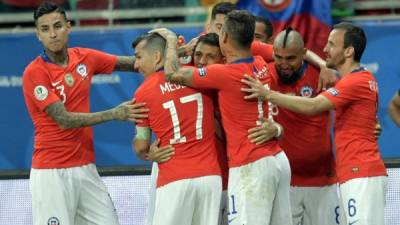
[170, 105]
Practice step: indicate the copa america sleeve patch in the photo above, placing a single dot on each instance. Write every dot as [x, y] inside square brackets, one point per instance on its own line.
[333, 91]
[41, 92]
[202, 72]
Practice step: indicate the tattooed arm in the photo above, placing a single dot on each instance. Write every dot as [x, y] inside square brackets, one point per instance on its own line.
[172, 69]
[125, 63]
[66, 120]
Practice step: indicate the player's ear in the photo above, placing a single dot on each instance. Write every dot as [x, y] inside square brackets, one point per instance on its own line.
[349, 52]
[224, 37]
[158, 57]
[37, 35]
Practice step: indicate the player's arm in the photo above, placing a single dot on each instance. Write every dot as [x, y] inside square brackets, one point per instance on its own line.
[309, 106]
[141, 142]
[328, 77]
[124, 63]
[159, 153]
[128, 110]
[172, 68]
[394, 108]
[267, 130]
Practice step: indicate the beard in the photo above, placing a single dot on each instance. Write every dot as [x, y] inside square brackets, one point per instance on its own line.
[289, 79]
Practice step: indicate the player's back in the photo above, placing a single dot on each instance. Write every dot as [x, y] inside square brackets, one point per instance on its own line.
[307, 141]
[238, 114]
[183, 117]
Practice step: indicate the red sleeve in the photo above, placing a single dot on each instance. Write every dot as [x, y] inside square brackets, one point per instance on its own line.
[103, 63]
[345, 91]
[210, 77]
[140, 97]
[37, 88]
[263, 50]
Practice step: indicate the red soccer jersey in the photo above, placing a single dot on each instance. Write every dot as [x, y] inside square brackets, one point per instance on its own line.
[183, 117]
[262, 49]
[238, 115]
[45, 83]
[306, 140]
[355, 97]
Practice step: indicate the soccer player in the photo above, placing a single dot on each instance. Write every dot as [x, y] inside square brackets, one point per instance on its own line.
[360, 169]
[65, 185]
[259, 175]
[394, 108]
[306, 141]
[189, 184]
[206, 52]
[218, 14]
[263, 30]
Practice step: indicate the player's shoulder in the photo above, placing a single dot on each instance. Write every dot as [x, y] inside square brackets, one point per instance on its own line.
[358, 76]
[150, 83]
[34, 66]
[81, 52]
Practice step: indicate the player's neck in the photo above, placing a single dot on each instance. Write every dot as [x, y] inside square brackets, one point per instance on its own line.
[348, 67]
[59, 58]
[234, 54]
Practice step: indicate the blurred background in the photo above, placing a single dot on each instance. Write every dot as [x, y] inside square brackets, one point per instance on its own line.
[112, 25]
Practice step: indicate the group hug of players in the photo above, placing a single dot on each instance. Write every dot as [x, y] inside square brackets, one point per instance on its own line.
[242, 129]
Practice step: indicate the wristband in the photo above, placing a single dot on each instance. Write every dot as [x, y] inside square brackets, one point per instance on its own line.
[279, 132]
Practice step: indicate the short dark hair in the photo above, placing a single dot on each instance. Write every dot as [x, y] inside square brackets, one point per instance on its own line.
[209, 39]
[154, 41]
[222, 8]
[354, 36]
[47, 8]
[269, 29]
[240, 25]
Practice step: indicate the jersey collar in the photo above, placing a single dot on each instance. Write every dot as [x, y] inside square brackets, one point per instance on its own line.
[243, 60]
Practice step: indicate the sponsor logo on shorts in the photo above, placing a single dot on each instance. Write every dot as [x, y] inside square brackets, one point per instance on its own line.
[81, 69]
[53, 221]
[202, 72]
[333, 91]
[230, 221]
[355, 221]
[41, 92]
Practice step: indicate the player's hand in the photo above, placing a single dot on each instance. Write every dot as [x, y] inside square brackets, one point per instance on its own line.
[166, 34]
[160, 154]
[131, 111]
[187, 49]
[263, 132]
[327, 78]
[256, 88]
[377, 130]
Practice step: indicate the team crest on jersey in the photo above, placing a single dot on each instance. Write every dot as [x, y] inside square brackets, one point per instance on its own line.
[275, 5]
[69, 79]
[53, 221]
[40, 92]
[333, 91]
[202, 72]
[306, 91]
[81, 69]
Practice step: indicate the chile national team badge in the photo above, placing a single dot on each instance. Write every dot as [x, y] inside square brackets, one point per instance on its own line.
[82, 70]
[306, 91]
